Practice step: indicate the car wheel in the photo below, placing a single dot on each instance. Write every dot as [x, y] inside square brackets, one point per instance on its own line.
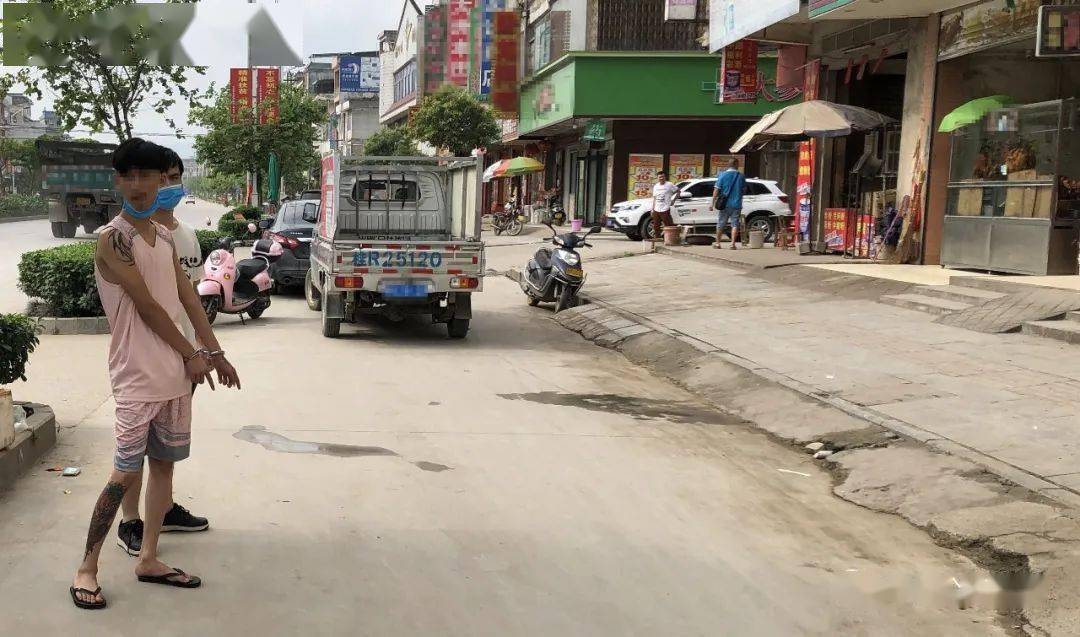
[646, 229]
[311, 294]
[762, 222]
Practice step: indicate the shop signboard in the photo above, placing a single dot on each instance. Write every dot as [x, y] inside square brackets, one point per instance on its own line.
[483, 39]
[240, 88]
[506, 45]
[836, 226]
[643, 171]
[457, 35]
[549, 100]
[434, 48]
[739, 73]
[720, 163]
[680, 9]
[358, 74]
[684, 167]
[985, 25]
[595, 131]
[268, 81]
[1058, 32]
[733, 20]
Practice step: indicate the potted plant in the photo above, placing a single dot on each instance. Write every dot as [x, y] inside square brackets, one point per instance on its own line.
[17, 342]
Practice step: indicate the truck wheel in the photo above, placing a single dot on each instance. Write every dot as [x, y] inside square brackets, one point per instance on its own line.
[457, 328]
[311, 293]
[64, 229]
[331, 327]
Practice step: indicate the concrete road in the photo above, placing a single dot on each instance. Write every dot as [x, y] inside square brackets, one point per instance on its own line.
[24, 236]
[522, 482]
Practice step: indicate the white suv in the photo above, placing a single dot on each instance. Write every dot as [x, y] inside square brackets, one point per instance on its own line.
[693, 207]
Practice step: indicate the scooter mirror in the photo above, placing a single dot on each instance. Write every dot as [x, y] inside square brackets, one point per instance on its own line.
[594, 229]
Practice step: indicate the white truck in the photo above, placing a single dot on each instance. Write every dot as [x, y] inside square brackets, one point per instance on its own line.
[397, 236]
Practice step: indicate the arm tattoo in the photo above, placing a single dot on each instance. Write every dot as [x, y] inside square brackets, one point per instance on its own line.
[104, 514]
[121, 245]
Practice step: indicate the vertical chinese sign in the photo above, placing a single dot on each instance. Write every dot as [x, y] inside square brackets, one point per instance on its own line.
[240, 86]
[483, 31]
[268, 82]
[457, 36]
[804, 184]
[739, 74]
[506, 43]
[434, 48]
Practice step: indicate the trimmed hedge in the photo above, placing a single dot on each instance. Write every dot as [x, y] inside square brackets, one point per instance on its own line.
[62, 278]
[236, 228]
[17, 342]
[209, 239]
[22, 206]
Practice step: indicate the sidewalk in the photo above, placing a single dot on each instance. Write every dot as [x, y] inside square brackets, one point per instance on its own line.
[1008, 401]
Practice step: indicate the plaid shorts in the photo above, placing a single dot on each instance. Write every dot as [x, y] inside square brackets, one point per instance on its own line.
[161, 430]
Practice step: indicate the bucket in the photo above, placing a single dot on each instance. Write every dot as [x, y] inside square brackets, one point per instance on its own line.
[757, 239]
[575, 225]
[672, 235]
[7, 420]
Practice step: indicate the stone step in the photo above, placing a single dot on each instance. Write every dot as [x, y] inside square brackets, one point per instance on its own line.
[989, 283]
[1067, 331]
[923, 303]
[973, 296]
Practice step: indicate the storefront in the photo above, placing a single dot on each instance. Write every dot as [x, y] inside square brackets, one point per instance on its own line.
[607, 122]
[1005, 189]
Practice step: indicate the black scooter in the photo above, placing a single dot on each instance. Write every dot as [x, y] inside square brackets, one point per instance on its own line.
[556, 275]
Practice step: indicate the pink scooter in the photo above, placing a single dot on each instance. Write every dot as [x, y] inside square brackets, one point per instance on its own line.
[238, 287]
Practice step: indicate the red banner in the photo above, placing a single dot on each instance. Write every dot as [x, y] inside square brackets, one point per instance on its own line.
[269, 82]
[457, 32]
[804, 185]
[240, 86]
[506, 43]
[740, 76]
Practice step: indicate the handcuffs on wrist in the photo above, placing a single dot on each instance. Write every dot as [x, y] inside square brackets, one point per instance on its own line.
[202, 351]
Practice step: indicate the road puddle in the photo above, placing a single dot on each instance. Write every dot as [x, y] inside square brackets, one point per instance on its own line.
[683, 413]
[277, 442]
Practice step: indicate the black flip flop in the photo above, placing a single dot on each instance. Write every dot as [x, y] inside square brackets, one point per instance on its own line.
[169, 579]
[87, 605]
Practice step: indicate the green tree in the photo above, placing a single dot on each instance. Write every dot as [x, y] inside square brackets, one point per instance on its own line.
[452, 119]
[391, 142]
[236, 148]
[93, 94]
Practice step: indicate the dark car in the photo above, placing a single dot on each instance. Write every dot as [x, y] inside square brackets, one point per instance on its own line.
[292, 228]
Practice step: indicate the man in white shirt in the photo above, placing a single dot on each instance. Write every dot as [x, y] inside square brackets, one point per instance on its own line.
[177, 518]
[663, 197]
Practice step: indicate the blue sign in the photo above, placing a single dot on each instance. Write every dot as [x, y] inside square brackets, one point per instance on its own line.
[358, 74]
[487, 28]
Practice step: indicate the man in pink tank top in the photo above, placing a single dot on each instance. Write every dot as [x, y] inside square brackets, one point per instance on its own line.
[145, 294]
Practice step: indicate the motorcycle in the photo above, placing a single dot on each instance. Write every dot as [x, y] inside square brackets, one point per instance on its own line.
[556, 275]
[238, 287]
[556, 213]
[509, 221]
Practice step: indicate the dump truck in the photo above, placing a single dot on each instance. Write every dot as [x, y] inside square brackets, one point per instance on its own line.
[77, 184]
[397, 236]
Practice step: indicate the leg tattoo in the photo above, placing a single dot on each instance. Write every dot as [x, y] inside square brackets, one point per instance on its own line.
[104, 514]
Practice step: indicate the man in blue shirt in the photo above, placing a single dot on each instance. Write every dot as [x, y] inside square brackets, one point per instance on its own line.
[727, 199]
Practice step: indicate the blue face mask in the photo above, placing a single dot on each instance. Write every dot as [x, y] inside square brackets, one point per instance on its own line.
[168, 198]
[140, 214]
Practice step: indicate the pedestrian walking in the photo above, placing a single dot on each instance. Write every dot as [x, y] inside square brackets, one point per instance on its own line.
[728, 200]
[152, 366]
[189, 253]
[663, 197]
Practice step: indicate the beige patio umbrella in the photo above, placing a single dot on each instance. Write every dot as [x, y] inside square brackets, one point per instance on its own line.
[810, 120]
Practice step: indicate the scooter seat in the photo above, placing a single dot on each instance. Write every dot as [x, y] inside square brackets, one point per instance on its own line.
[543, 259]
[251, 268]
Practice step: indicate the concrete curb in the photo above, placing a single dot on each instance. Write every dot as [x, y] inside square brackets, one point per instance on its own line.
[52, 326]
[27, 218]
[29, 445]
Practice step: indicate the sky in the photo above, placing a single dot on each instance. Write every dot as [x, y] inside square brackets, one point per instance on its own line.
[329, 26]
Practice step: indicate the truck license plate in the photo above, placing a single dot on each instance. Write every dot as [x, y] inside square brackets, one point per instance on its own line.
[397, 259]
[405, 290]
